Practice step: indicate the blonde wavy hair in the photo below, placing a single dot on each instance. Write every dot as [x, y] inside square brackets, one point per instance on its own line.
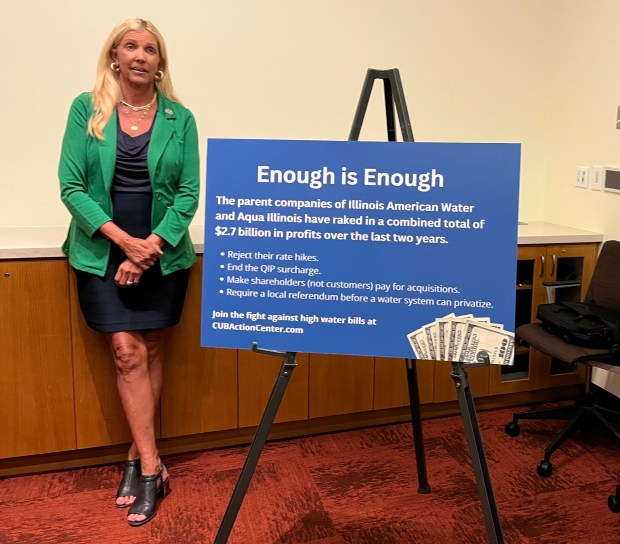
[107, 90]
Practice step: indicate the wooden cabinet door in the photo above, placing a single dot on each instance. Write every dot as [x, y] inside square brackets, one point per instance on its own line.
[391, 388]
[571, 262]
[200, 384]
[445, 389]
[36, 378]
[200, 387]
[257, 377]
[340, 384]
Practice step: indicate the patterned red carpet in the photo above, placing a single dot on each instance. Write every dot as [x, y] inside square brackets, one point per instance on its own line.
[357, 487]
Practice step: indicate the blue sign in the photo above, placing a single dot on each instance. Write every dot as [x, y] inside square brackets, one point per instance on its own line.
[347, 247]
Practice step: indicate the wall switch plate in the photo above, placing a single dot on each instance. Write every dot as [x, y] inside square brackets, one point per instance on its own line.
[598, 176]
[581, 179]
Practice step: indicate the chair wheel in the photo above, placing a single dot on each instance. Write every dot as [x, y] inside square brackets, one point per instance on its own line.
[613, 504]
[544, 468]
[512, 429]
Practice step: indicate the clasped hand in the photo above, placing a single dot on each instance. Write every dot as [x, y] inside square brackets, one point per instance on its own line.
[128, 274]
[142, 253]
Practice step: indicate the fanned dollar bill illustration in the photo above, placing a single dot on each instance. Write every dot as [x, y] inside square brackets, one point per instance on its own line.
[463, 339]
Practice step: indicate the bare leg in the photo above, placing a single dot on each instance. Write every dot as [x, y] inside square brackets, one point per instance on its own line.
[131, 358]
[154, 340]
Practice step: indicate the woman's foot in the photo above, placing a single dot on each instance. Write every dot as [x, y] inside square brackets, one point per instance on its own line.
[128, 488]
[152, 487]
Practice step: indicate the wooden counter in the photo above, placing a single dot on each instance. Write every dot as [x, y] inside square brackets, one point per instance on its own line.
[58, 399]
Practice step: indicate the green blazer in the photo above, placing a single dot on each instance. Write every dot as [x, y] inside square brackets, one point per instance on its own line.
[86, 170]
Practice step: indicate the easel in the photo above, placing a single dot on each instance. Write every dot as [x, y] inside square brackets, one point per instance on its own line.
[393, 93]
[289, 364]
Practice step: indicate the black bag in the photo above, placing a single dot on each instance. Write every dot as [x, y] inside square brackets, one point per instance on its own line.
[579, 323]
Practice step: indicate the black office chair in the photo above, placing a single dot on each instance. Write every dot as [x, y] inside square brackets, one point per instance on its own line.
[585, 414]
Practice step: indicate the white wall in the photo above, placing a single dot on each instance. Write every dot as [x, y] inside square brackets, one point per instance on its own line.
[480, 71]
[584, 102]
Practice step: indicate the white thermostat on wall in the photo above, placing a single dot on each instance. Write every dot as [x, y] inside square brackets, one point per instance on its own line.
[612, 180]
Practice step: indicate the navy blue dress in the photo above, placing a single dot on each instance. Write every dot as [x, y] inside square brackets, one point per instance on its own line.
[157, 301]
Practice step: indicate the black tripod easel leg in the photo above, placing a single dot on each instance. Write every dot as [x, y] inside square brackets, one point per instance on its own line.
[613, 501]
[416, 422]
[258, 443]
[476, 451]
[394, 97]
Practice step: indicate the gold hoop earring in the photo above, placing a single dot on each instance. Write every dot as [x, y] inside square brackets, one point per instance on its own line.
[159, 75]
[115, 67]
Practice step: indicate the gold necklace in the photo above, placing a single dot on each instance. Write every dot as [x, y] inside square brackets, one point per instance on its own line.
[134, 125]
[140, 108]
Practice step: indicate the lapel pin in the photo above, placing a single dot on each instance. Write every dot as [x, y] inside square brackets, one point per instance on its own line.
[168, 111]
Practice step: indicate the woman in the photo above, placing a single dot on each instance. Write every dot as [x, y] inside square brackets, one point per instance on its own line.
[129, 177]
